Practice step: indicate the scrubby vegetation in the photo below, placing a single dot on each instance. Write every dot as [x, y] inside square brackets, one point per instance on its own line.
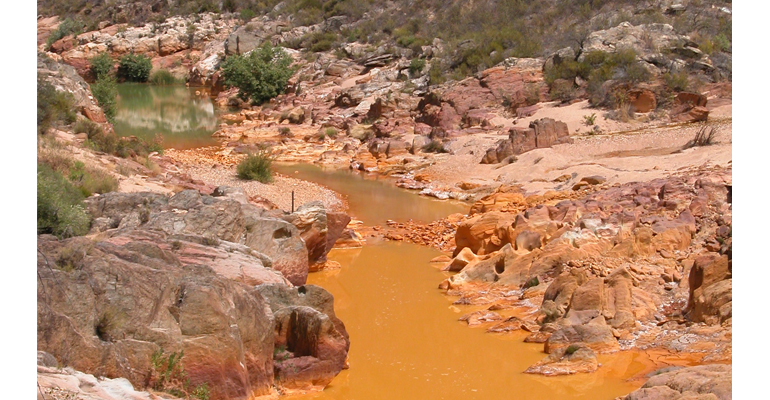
[474, 35]
[53, 107]
[134, 68]
[162, 77]
[105, 91]
[67, 27]
[256, 167]
[101, 65]
[259, 76]
[434, 146]
[60, 209]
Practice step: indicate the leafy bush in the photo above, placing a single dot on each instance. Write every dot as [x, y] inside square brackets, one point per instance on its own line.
[677, 81]
[247, 14]
[162, 77]
[53, 106]
[331, 132]
[416, 66]
[101, 65]
[259, 76]
[256, 167]
[60, 208]
[88, 127]
[105, 91]
[134, 68]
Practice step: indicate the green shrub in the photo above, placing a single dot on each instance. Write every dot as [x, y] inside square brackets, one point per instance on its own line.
[60, 209]
[436, 75]
[589, 120]
[331, 132]
[259, 76]
[105, 91]
[572, 349]
[256, 167]
[676, 81]
[66, 27]
[53, 106]
[88, 127]
[416, 66]
[134, 68]
[101, 65]
[247, 15]
[91, 180]
[162, 77]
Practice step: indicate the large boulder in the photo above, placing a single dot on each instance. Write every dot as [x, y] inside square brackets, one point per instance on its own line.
[111, 307]
[710, 286]
[541, 133]
[311, 342]
[319, 228]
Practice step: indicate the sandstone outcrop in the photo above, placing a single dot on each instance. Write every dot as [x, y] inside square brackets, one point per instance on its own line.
[106, 308]
[175, 275]
[700, 382]
[541, 133]
[230, 218]
[319, 228]
[312, 342]
[621, 258]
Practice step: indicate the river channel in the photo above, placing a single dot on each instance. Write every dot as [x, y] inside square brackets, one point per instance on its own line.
[406, 340]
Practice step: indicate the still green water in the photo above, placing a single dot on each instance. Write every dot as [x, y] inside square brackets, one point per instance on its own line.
[175, 112]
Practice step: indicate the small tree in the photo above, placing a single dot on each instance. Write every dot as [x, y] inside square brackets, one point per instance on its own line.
[134, 68]
[260, 75]
[101, 65]
[105, 91]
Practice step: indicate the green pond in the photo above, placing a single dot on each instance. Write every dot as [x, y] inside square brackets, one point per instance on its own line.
[183, 119]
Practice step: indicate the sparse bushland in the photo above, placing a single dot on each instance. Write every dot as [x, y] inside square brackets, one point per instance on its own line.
[260, 75]
[168, 375]
[256, 167]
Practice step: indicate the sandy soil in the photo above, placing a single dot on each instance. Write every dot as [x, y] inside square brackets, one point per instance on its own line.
[637, 152]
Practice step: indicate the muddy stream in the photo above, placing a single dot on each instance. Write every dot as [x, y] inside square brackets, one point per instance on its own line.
[406, 340]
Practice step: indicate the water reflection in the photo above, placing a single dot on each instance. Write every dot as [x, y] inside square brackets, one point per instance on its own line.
[184, 119]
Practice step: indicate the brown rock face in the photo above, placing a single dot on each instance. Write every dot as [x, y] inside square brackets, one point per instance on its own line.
[642, 100]
[542, 133]
[690, 107]
[701, 382]
[121, 303]
[710, 282]
[318, 228]
[311, 344]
